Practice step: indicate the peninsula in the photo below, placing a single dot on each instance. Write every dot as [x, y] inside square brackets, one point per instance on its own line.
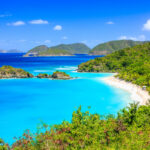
[131, 65]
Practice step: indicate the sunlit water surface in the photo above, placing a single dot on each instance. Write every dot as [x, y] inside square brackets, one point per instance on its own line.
[25, 103]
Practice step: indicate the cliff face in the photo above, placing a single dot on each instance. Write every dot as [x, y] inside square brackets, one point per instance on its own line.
[10, 72]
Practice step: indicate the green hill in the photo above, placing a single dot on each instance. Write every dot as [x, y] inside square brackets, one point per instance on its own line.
[132, 64]
[59, 50]
[54, 52]
[109, 47]
[76, 48]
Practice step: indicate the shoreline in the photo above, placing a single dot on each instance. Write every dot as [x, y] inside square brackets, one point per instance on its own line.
[137, 93]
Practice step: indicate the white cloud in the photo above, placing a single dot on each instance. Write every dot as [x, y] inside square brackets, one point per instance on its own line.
[142, 37]
[47, 41]
[133, 38]
[84, 41]
[17, 23]
[37, 42]
[5, 15]
[110, 22]
[64, 37]
[58, 27]
[123, 37]
[39, 21]
[146, 26]
[22, 40]
[139, 38]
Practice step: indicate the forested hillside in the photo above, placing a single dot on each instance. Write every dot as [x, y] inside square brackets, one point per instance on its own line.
[132, 64]
[59, 50]
[112, 46]
[76, 48]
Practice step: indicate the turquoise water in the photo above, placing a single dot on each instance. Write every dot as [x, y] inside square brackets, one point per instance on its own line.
[25, 103]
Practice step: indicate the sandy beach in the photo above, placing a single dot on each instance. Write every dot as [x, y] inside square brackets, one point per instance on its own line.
[137, 93]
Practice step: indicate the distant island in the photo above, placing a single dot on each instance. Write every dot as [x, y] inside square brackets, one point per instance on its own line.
[112, 46]
[8, 72]
[80, 48]
[11, 51]
[59, 50]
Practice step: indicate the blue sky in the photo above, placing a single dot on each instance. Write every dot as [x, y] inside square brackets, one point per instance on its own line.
[25, 23]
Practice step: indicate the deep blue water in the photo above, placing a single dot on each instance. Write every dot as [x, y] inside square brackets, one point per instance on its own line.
[25, 103]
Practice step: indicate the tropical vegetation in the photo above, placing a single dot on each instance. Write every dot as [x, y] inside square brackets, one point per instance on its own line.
[11, 72]
[112, 46]
[131, 64]
[59, 50]
[129, 129]
[60, 75]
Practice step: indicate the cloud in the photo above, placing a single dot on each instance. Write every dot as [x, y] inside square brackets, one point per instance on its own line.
[17, 23]
[37, 42]
[110, 22]
[47, 41]
[123, 37]
[139, 38]
[142, 37]
[133, 38]
[64, 37]
[22, 40]
[84, 41]
[40, 21]
[5, 15]
[146, 26]
[58, 27]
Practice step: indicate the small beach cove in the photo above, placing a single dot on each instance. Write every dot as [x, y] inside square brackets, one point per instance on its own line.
[137, 93]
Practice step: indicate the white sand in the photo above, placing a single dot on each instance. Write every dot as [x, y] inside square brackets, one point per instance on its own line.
[137, 93]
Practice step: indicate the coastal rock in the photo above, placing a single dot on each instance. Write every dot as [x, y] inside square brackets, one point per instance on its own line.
[60, 75]
[43, 75]
[11, 72]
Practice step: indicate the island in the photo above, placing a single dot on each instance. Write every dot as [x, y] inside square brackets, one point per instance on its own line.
[11, 72]
[43, 75]
[11, 51]
[60, 75]
[58, 50]
[7, 72]
[57, 75]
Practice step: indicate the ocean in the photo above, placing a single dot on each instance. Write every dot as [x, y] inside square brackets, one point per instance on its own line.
[28, 103]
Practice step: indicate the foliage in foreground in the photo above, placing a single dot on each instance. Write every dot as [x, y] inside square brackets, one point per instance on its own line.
[132, 64]
[130, 129]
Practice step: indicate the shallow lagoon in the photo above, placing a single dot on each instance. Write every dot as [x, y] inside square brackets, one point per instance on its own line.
[25, 103]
